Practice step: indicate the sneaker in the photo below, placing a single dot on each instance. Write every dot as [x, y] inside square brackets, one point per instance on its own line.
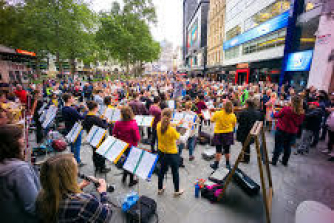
[179, 193]
[132, 183]
[272, 163]
[325, 151]
[191, 158]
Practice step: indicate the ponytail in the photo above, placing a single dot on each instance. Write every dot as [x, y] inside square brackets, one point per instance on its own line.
[165, 119]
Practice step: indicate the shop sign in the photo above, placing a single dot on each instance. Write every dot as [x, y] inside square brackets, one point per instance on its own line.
[272, 25]
[24, 52]
[242, 66]
[323, 39]
[300, 61]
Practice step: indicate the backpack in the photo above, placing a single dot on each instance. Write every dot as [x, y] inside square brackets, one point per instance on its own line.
[148, 208]
[212, 192]
[59, 145]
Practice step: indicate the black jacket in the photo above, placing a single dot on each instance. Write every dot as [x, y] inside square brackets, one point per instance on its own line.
[246, 120]
[313, 119]
[91, 120]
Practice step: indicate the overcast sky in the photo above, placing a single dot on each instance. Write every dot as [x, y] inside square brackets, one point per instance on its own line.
[169, 13]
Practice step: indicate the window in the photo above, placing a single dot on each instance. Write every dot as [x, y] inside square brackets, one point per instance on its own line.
[233, 32]
[232, 53]
[267, 13]
[272, 40]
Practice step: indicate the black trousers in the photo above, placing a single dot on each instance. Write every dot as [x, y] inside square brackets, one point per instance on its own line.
[154, 139]
[172, 160]
[330, 140]
[39, 132]
[98, 160]
[283, 141]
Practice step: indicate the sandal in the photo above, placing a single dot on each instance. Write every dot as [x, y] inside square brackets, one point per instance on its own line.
[179, 193]
[160, 192]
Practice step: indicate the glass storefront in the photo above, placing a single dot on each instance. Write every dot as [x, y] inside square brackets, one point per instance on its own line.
[271, 40]
[267, 13]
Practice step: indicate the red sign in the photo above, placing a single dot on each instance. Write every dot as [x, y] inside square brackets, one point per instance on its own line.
[24, 52]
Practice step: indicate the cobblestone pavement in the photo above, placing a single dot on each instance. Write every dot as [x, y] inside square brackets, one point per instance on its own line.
[308, 177]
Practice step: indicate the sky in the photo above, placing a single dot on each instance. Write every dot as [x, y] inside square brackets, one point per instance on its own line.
[169, 13]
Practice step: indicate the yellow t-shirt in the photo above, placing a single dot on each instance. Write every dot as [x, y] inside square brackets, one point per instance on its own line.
[225, 123]
[167, 141]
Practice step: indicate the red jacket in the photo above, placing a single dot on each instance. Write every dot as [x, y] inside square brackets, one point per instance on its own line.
[127, 131]
[288, 121]
[22, 95]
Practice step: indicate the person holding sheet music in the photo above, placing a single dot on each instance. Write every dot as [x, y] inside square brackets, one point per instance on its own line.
[127, 130]
[71, 116]
[90, 120]
[37, 105]
[168, 152]
[200, 106]
[62, 199]
[155, 111]
[223, 133]
[191, 140]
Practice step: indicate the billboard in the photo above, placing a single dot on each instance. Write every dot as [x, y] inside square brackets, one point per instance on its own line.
[192, 35]
[300, 61]
[265, 28]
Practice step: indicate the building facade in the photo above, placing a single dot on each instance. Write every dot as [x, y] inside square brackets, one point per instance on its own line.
[216, 31]
[195, 20]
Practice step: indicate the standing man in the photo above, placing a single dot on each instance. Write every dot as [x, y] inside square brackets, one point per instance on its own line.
[71, 116]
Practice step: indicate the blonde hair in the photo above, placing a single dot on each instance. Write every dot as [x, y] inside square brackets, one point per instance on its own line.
[188, 105]
[166, 115]
[58, 177]
[297, 105]
[228, 107]
[127, 113]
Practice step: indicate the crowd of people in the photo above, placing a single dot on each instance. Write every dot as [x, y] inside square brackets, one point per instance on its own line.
[299, 121]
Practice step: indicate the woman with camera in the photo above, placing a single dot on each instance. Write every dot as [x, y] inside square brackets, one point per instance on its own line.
[61, 198]
[19, 183]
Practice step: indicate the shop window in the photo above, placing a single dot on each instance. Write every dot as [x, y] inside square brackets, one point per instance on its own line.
[232, 53]
[275, 9]
[233, 32]
[271, 40]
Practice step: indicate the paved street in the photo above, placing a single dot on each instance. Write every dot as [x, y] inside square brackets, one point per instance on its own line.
[308, 177]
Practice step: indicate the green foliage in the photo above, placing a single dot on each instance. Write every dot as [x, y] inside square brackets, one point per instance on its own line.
[125, 34]
[70, 30]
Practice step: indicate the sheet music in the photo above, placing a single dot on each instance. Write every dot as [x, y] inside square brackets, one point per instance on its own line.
[178, 116]
[69, 135]
[116, 151]
[47, 121]
[98, 137]
[147, 163]
[132, 159]
[106, 145]
[42, 109]
[43, 116]
[139, 119]
[190, 118]
[109, 113]
[147, 121]
[116, 116]
[171, 104]
[206, 114]
[91, 133]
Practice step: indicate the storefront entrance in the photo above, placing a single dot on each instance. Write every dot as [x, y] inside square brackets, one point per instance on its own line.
[242, 76]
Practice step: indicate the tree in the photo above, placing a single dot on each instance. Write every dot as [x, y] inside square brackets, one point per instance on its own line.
[125, 34]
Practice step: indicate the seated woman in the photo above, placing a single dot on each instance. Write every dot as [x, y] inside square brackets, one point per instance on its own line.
[61, 198]
[18, 181]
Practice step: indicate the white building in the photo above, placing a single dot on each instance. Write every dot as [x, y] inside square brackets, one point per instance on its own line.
[254, 39]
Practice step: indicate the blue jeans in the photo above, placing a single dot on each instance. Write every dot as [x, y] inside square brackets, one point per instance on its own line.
[190, 145]
[75, 148]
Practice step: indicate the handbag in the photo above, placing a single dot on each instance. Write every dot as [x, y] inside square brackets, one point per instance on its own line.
[330, 122]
